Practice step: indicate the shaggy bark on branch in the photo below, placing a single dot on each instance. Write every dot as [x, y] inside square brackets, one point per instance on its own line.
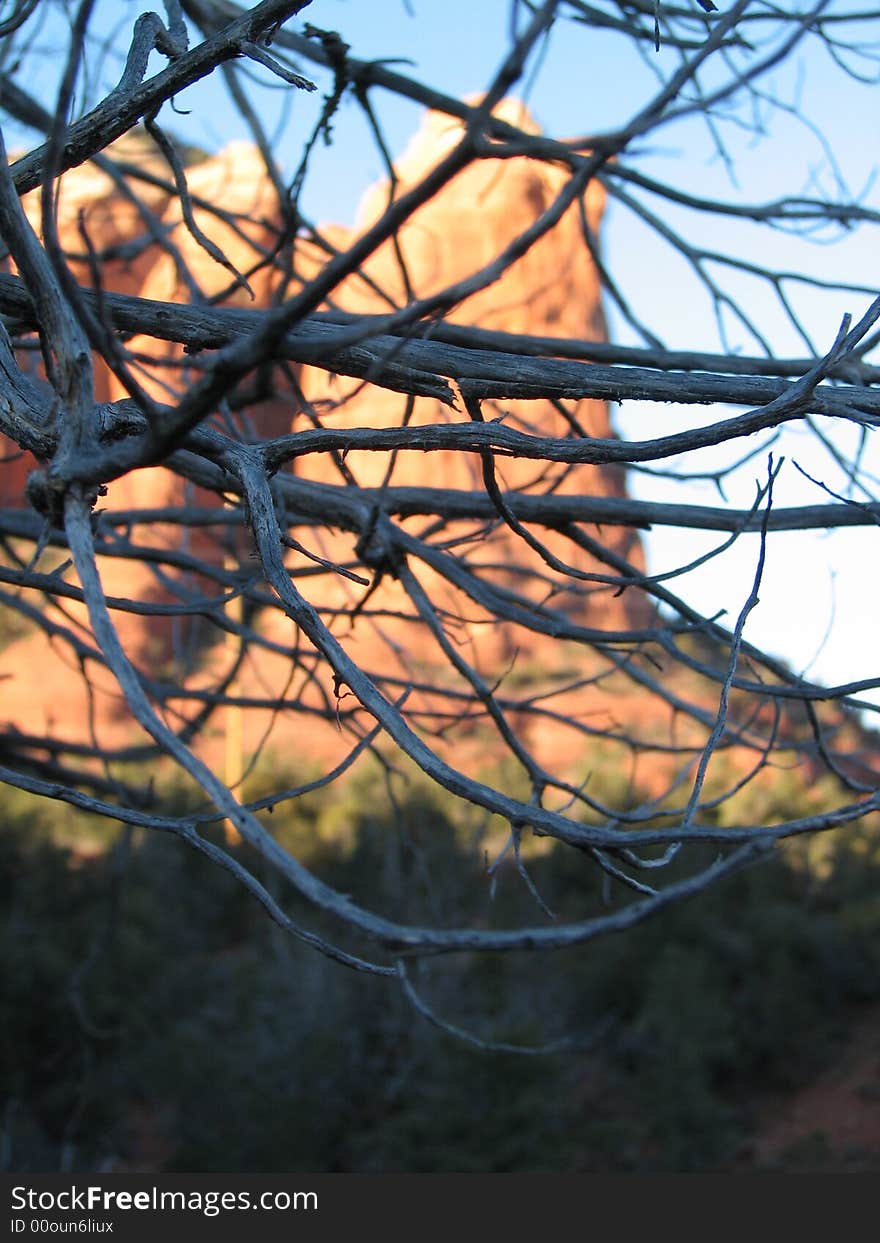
[430, 549]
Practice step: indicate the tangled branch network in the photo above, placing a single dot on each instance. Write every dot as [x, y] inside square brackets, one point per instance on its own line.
[284, 501]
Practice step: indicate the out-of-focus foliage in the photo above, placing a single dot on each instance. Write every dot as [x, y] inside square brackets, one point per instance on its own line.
[152, 1019]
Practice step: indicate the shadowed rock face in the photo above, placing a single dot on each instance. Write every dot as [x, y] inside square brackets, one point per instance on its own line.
[553, 290]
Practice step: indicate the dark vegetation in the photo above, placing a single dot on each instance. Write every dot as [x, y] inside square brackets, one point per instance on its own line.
[152, 1018]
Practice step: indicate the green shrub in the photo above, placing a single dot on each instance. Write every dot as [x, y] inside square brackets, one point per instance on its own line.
[151, 1016]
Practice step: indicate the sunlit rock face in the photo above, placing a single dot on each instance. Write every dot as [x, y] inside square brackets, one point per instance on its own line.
[553, 290]
[144, 248]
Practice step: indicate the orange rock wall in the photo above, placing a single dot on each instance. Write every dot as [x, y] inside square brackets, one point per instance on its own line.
[553, 290]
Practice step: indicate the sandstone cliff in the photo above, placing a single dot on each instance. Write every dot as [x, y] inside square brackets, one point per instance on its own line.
[145, 249]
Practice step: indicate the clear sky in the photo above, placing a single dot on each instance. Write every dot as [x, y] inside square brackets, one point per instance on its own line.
[821, 600]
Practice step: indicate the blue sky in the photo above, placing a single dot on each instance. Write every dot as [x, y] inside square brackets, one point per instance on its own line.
[816, 584]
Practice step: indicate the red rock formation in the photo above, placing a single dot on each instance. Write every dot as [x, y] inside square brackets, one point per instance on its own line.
[553, 290]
